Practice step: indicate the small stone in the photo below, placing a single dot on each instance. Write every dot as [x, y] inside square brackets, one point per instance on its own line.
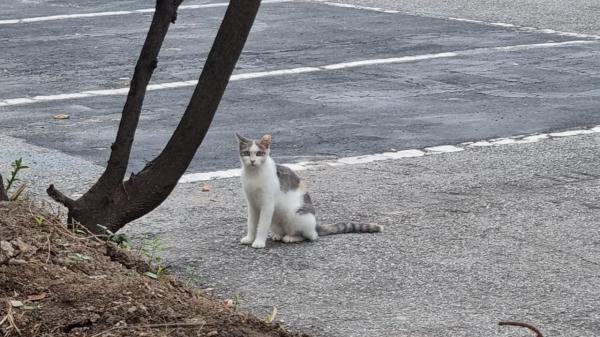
[94, 318]
[16, 303]
[7, 249]
[212, 333]
[25, 248]
[17, 261]
[132, 310]
[110, 320]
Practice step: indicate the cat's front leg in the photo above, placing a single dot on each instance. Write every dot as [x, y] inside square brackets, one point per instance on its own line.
[252, 222]
[264, 223]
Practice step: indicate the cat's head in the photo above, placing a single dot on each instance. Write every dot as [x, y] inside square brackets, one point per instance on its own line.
[254, 153]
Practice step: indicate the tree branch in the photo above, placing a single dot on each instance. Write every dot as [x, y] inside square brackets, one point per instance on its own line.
[219, 66]
[112, 203]
[156, 181]
[164, 15]
[59, 197]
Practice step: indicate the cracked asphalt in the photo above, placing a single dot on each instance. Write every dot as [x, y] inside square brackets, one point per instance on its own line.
[473, 237]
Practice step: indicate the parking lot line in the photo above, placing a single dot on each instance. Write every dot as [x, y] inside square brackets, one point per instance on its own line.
[396, 155]
[117, 13]
[293, 71]
[497, 24]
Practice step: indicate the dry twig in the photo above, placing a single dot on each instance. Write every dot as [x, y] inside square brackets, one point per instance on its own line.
[10, 318]
[48, 241]
[157, 325]
[524, 325]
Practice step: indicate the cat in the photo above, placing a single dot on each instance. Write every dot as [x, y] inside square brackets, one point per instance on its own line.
[277, 200]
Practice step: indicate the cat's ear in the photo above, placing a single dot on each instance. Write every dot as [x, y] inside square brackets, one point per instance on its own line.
[242, 139]
[265, 141]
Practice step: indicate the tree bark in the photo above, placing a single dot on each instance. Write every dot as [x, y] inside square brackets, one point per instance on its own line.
[113, 203]
[164, 15]
[3, 193]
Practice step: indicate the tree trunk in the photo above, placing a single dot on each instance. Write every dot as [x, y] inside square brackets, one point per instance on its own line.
[3, 193]
[113, 203]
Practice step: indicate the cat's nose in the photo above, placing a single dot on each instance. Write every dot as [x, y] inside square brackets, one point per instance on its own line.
[252, 161]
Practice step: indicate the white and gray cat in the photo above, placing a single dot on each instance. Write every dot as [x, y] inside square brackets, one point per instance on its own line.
[277, 200]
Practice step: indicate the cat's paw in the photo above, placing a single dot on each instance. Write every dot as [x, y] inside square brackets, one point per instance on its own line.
[292, 239]
[257, 244]
[276, 237]
[246, 240]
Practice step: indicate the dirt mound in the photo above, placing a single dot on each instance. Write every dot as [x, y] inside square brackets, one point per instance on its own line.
[56, 282]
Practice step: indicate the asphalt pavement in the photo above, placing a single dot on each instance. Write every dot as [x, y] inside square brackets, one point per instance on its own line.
[478, 94]
[579, 16]
[471, 238]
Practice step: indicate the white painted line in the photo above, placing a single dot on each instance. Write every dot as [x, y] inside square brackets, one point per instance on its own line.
[194, 177]
[442, 149]
[363, 159]
[570, 133]
[374, 9]
[404, 154]
[404, 59]
[293, 71]
[272, 73]
[398, 155]
[117, 13]
[496, 24]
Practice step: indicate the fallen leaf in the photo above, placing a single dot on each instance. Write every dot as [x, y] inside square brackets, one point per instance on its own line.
[205, 188]
[271, 316]
[30, 307]
[97, 277]
[151, 275]
[37, 297]
[80, 257]
[228, 303]
[62, 116]
[16, 303]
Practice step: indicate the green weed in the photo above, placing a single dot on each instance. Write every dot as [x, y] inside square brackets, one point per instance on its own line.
[80, 257]
[191, 276]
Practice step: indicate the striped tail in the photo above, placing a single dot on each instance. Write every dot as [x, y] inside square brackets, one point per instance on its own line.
[343, 227]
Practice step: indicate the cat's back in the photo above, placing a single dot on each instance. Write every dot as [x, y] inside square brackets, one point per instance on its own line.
[288, 179]
[293, 196]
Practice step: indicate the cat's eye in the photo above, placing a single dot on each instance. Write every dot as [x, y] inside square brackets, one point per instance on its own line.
[260, 153]
[245, 153]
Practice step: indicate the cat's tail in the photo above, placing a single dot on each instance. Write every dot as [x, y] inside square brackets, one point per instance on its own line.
[348, 227]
